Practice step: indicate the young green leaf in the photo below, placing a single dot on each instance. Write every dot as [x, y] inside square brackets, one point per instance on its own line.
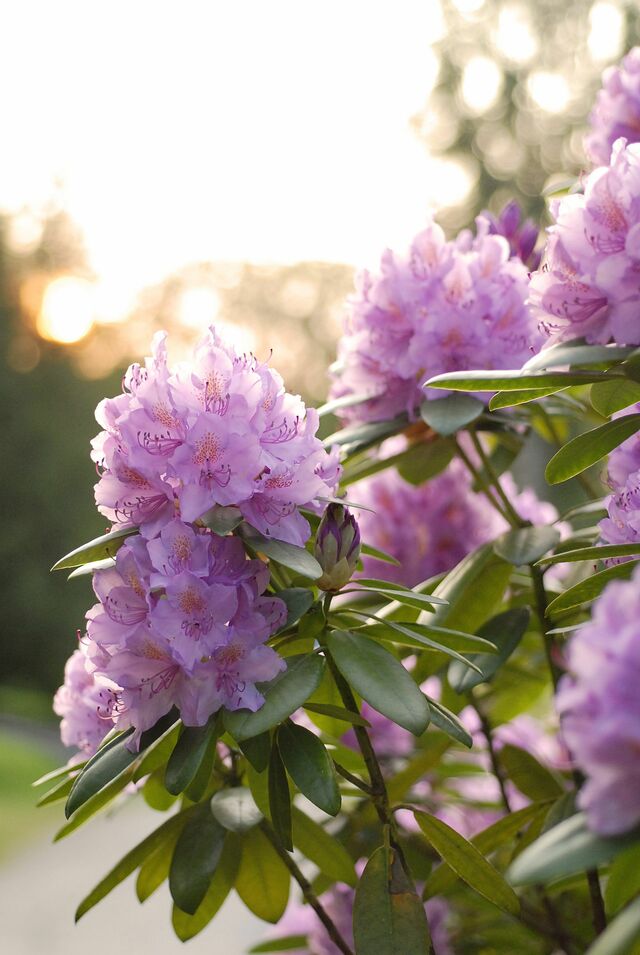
[322, 849]
[188, 754]
[447, 415]
[309, 765]
[235, 809]
[531, 778]
[279, 798]
[295, 558]
[505, 631]
[187, 926]
[155, 868]
[589, 448]
[590, 588]
[98, 549]
[195, 859]
[282, 696]
[263, 879]
[508, 399]
[526, 545]
[388, 917]
[380, 679]
[468, 863]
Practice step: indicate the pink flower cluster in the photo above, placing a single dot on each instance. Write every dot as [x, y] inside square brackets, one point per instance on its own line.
[181, 621]
[589, 285]
[617, 109]
[622, 526]
[220, 430]
[599, 707]
[444, 306]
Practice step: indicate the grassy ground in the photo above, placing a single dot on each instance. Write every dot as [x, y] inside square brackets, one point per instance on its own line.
[21, 761]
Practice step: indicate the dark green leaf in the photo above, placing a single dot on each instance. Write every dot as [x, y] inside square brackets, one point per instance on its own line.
[607, 397]
[187, 926]
[599, 552]
[235, 809]
[590, 588]
[388, 917]
[512, 380]
[286, 943]
[322, 849]
[298, 600]
[590, 447]
[186, 758]
[155, 868]
[424, 460]
[380, 679]
[295, 558]
[447, 415]
[525, 545]
[337, 713]
[621, 937]
[97, 549]
[624, 879]
[568, 848]
[257, 750]
[532, 779]
[283, 696]
[309, 765]
[222, 520]
[505, 631]
[507, 399]
[263, 880]
[279, 798]
[449, 723]
[132, 860]
[468, 863]
[195, 858]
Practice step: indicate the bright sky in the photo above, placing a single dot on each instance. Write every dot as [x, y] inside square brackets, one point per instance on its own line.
[220, 129]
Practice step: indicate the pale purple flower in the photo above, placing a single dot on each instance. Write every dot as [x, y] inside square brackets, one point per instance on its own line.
[220, 430]
[443, 306]
[589, 285]
[84, 706]
[617, 109]
[622, 525]
[521, 235]
[599, 707]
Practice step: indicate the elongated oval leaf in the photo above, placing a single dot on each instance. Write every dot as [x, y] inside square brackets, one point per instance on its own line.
[337, 713]
[388, 917]
[526, 545]
[607, 397]
[447, 415]
[263, 879]
[322, 849]
[297, 600]
[346, 401]
[257, 750]
[592, 587]
[512, 380]
[295, 558]
[505, 631]
[568, 848]
[530, 777]
[449, 723]
[422, 461]
[589, 448]
[286, 943]
[362, 436]
[222, 520]
[107, 764]
[279, 798]
[395, 632]
[282, 697]
[507, 399]
[235, 809]
[309, 765]
[187, 926]
[188, 754]
[624, 879]
[195, 858]
[98, 549]
[621, 936]
[578, 354]
[155, 868]
[599, 552]
[380, 679]
[472, 588]
[468, 863]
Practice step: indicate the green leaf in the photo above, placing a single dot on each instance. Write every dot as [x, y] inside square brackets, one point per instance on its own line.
[382, 555]
[592, 587]
[468, 863]
[578, 354]
[235, 809]
[607, 397]
[359, 437]
[263, 880]
[410, 598]
[505, 631]
[195, 859]
[295, 558]
[188, 754]
[531, 778]
[621, 936]
[187, 926]
[424, 460]
[590, 447]
[97, 549]
[61, 789]
[322, 849]
[527, 544]
[346, 401]
[447, 415]
[155, 868]
[419, 765]
[222, 520]
[508, 399]
[380, 679]
[132, 860]
[155, 794]
[624, 879]
[257, 750]
[449, 723]
[512, 380]
[337, 713]
[91, 567]
[599, 552]
[388, 917]
[440, 638]
[56, 774]
[473, 588]
[309, 765]
[279, 798]
[397, 633]
[498, 834]
[568, 848]
[298, 600]
[282, 697]
[287, 943]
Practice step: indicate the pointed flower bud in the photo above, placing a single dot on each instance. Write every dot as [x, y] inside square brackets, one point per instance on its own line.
[337, 547]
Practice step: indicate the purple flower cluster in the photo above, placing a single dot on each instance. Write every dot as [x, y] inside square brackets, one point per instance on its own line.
[599, 707]
[181, 621]
[589, 285]
[622, 526]
[220, 430]
[444, 306]
[521, 235]
[617, 109]
[84, 705]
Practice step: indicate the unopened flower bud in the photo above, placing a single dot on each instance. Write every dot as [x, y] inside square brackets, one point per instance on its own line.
[337, 547]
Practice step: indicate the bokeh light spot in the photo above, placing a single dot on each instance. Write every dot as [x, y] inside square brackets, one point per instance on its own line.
[67, 310]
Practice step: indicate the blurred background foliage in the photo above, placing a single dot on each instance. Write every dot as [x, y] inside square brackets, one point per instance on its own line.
[508, 86]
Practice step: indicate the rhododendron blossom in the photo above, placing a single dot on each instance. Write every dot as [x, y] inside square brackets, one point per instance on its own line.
[84, 705]
[617, 109]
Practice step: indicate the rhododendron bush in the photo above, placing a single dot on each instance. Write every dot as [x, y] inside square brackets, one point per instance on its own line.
[378, 685]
